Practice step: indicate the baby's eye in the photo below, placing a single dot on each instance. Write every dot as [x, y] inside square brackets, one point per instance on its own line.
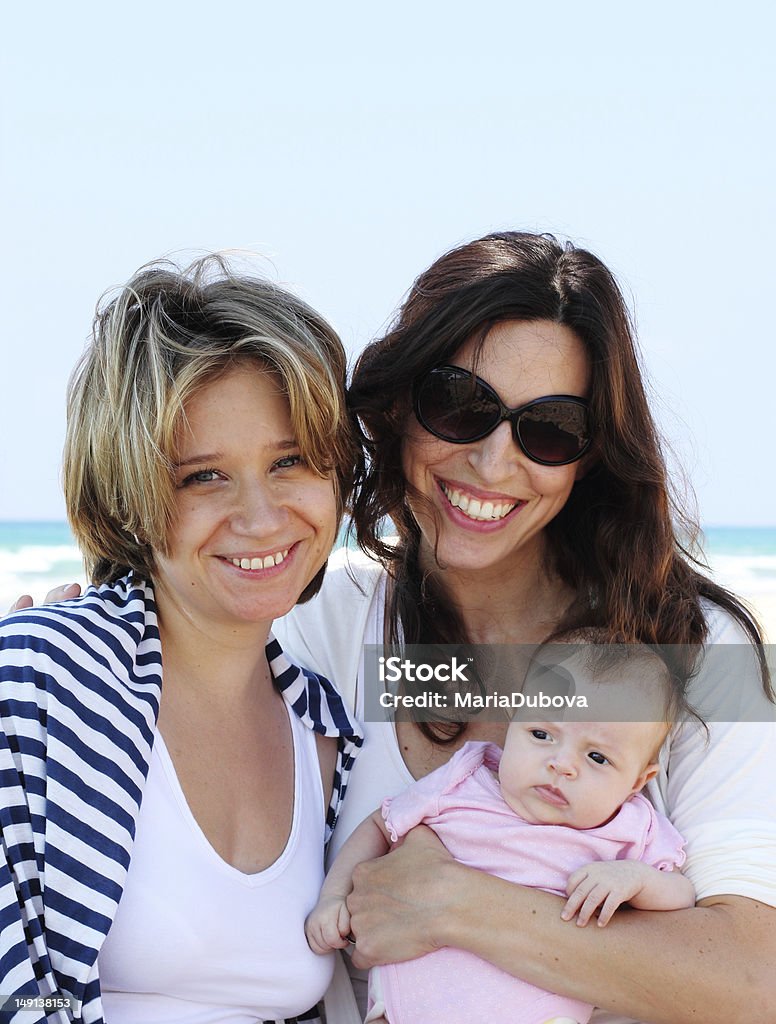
[599, 758]
[540, 734]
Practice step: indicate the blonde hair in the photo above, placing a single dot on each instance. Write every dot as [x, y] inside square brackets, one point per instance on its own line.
[168, 333]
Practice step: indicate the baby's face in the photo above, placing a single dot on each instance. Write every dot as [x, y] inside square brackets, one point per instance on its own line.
[576, 773]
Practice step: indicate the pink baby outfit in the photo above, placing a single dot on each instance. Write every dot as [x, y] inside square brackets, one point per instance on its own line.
[462, 802]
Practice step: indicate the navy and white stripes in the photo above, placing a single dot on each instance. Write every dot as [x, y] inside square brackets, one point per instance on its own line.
[80, 684]
[323, 710]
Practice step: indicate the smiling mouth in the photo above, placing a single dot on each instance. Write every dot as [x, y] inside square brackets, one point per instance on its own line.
[474, 508]
[268, 562]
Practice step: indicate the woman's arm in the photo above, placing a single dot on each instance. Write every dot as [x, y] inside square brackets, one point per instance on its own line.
[714, 963]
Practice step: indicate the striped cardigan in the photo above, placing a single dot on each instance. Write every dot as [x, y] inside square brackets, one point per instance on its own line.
[80, 684]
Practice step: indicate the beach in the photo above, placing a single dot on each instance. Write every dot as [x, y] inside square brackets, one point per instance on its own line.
[765, 610]
[35, 556]
[743, 559]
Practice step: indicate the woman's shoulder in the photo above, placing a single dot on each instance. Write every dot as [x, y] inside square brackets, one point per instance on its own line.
[311, 695]
[727, 685]
[339, 610]
[93, 665]
[723, 627]
[107, 637]
[327, 633]
[126, 604]
[352, 570]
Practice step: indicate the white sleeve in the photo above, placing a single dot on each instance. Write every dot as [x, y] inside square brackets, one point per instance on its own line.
[720, 791]
[326, 634]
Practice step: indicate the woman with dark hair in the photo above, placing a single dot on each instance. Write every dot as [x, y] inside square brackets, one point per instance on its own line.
[511, 444]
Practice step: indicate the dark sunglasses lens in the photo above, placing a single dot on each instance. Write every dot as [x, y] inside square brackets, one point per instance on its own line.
[454, 406]
[554, 432]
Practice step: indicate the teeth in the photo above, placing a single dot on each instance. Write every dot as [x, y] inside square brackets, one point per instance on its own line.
[476, 509]
[261, 563]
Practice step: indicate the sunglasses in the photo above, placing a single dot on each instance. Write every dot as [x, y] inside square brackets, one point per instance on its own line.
[455, 406]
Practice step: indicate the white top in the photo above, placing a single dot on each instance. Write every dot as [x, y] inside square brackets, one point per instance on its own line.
[195, 940]
[720, 794]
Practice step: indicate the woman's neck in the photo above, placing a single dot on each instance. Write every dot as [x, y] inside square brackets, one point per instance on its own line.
[521, 603]
[211, 659]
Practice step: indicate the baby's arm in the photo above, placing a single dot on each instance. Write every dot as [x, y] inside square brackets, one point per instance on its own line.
[328, 924]
[607, 884]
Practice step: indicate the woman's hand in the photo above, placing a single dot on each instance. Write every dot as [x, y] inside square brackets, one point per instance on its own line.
[418, 899]
[395, 899]
[63, 593]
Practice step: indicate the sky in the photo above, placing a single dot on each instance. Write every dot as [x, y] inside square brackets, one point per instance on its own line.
[351, 144]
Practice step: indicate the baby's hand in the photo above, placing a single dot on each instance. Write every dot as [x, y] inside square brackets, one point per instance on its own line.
[604, 884]
[328, 925]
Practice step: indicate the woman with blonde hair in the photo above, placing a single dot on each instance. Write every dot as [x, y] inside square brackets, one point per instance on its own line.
[168, 775]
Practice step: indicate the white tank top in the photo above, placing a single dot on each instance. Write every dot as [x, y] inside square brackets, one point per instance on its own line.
[194, 940]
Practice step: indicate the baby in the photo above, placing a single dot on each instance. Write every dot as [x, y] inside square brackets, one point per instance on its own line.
[559, 809]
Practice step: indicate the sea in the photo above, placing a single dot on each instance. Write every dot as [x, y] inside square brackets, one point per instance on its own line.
[36, 556]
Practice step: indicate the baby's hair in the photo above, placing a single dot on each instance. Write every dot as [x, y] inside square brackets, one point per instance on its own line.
[609, 662]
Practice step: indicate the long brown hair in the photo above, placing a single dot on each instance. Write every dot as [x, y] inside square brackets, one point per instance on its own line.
[617, 540]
